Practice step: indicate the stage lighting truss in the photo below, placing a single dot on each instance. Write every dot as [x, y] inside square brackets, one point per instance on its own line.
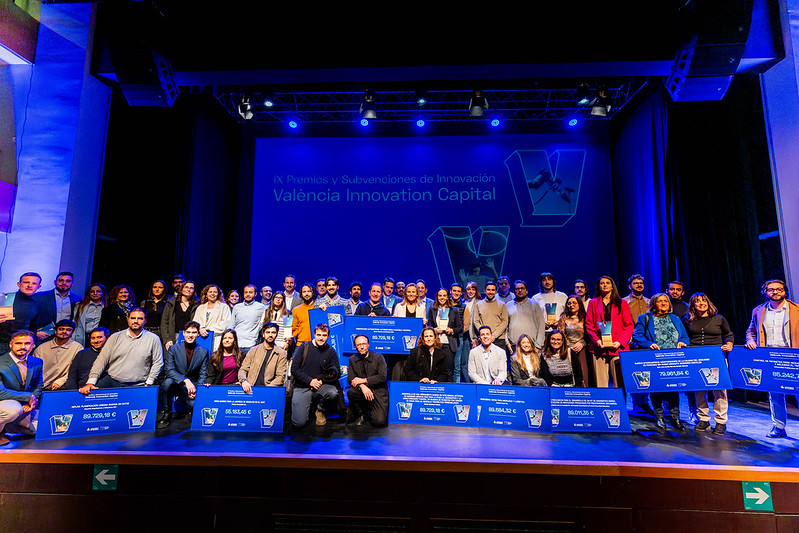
[441, 106]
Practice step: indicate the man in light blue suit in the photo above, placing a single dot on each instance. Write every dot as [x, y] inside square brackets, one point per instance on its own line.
[185, 366]
[21, 381]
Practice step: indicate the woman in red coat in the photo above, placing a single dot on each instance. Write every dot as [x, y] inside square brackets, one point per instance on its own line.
[610, 325]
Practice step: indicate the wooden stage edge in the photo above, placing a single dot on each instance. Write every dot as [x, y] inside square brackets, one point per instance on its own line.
[484, 466]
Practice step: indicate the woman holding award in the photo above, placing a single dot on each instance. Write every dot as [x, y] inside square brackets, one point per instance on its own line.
[447, 324]
[572, 324]
[660, 329]
[610, 325]
[706, 327]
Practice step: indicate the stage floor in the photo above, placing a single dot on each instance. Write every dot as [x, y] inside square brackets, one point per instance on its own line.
[743, 452]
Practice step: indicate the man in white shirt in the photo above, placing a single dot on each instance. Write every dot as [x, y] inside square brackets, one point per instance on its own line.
[293, 298]
[552, 302]
[775, 324]
[487, 363]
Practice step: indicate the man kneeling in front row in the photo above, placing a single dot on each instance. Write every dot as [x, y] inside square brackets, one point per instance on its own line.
[314, 369]
[368, 391]
[185, 366]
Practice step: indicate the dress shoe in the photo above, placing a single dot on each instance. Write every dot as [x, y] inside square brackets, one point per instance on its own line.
[694, 419]
[28, 432]
[161, 415]
[360, 421]
[776, 433]
[677, 424]
[660, 424]
[321, 419]
[164, 422]
[703, 425]
[720, 429]
[644, 408]
[4, 440]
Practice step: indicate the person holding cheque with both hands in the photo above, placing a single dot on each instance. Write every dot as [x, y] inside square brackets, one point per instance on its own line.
[706, 327]
[660, 329]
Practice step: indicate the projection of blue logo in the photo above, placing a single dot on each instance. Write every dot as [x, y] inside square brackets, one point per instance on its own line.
[546, 186]
[462, 255]
[443, 209]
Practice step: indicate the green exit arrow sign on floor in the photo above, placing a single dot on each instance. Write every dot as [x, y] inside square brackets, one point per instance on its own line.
[105, 477]
[757, 496]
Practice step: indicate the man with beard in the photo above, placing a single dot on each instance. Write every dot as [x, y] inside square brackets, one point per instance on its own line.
[332, 297]
[300, 325]
[355, 298]
[775, 324]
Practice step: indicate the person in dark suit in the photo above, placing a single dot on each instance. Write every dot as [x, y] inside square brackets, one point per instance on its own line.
[427, 363]
[21, 382]
[368, 392]
[186, 364]
[58, 304]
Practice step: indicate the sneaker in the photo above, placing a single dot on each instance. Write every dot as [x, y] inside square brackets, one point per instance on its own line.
[720, 429]
[703, 425]
[321, 419]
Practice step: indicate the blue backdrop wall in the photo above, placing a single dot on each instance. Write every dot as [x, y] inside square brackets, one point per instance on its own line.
[433, 207]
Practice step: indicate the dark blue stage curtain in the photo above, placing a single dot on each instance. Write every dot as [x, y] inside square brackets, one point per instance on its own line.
[641, 200]
[693, 192]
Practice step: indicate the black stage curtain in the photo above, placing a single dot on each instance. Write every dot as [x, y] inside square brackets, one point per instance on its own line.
[693, 193]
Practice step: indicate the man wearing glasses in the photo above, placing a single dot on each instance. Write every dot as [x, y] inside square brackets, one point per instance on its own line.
[775, 324]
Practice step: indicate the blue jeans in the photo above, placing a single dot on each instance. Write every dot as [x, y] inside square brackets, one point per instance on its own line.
[461, 370]
[303, 397]
[779, 414]
[167, 392]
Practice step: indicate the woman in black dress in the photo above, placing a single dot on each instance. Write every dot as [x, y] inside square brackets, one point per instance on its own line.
[154, 306]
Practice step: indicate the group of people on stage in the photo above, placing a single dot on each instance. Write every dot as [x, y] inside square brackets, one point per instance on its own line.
[491, 334]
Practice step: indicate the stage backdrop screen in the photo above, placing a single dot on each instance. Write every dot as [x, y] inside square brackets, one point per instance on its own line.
[438, 208]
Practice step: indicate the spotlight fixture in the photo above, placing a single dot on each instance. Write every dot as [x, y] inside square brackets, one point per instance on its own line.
[495, 122]
[368, 109]
[364, 122]
[583, 94]
[268, 102]
[292, 124]
[601, 104]
[245, 108]
[477, 104]
[421, 98]
[420, 123]
[572, 122]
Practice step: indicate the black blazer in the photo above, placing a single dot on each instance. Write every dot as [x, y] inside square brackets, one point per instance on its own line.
[455, 322]
[418, 366]
[114, 318]
[47, 310]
